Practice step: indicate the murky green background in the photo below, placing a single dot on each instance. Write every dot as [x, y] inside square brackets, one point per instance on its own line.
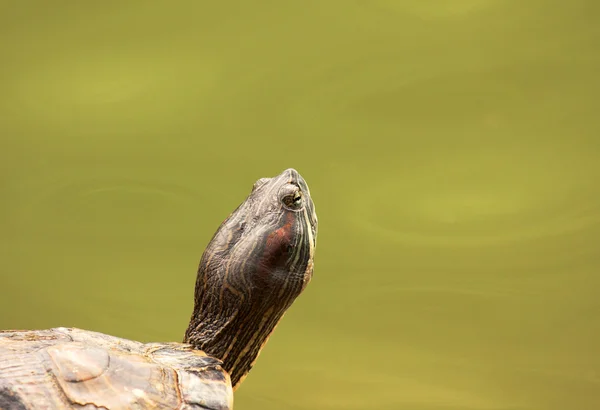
[452, 148]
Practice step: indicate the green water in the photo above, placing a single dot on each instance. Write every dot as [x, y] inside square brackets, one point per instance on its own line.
[452, 149]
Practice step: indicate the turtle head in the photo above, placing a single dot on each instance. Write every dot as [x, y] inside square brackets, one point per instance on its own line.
[257, 263]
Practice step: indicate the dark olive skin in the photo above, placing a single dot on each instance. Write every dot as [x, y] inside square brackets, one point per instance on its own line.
[255, 266]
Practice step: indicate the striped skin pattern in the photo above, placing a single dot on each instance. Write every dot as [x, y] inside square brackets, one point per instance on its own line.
[253, 269]
[258, 262]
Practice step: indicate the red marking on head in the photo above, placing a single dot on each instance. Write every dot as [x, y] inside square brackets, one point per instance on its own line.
[276, 246]
[282, 234]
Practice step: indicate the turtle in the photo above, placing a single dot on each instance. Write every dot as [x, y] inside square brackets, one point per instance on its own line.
[254, 267]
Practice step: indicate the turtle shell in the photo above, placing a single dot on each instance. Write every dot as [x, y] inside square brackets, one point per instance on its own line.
[69, 368]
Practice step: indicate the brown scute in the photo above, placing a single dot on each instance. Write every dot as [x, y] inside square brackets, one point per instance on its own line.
[76, 362]
[10, 400]
[34, 336]
[205, 393]
[94, 371]
[213, 375]
[183, 355]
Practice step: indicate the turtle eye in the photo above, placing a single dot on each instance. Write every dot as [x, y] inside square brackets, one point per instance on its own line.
[293, 200]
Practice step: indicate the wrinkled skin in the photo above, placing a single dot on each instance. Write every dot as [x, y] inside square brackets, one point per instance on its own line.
[260, 260]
